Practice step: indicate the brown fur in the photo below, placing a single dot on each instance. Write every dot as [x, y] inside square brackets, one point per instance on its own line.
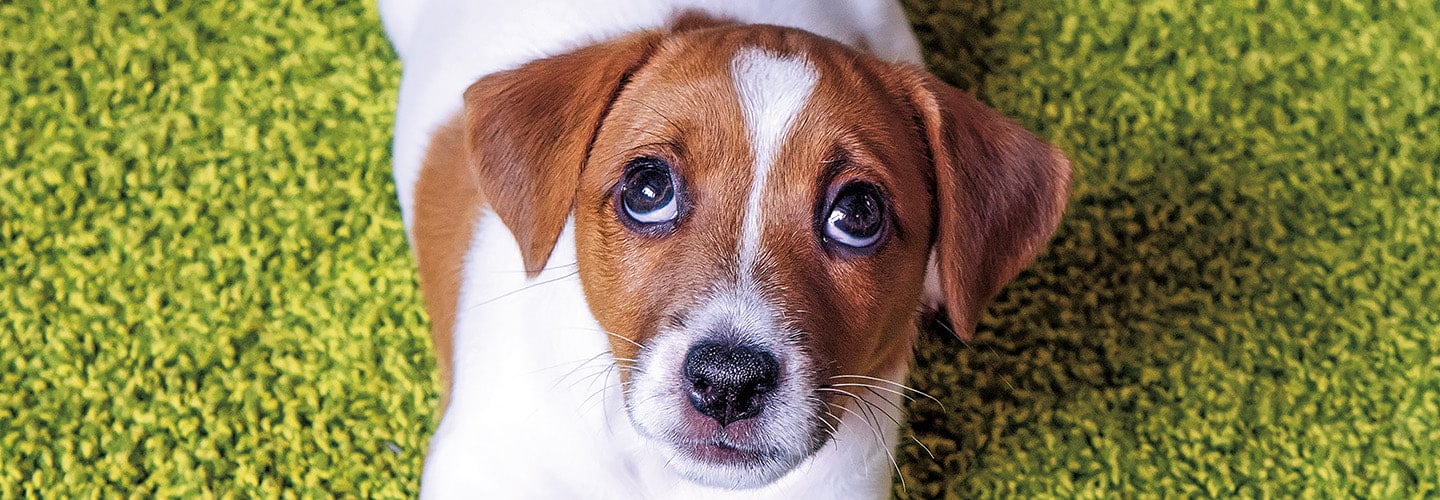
[1001, 193]
[530, 130]
[447, 203]
[695, 19]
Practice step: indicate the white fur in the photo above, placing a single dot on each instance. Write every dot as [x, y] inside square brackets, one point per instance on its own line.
[535, 410]
[772, 90]
[933, 295]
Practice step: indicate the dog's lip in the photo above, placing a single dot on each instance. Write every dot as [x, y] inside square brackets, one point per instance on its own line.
[721, 453]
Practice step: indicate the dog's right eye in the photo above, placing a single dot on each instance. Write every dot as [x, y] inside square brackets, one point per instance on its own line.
[856, 219]
[648, 196]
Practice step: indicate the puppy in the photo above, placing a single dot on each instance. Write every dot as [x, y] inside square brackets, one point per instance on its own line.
[682, 249]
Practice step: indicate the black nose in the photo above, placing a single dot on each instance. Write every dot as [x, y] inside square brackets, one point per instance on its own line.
[728, 381]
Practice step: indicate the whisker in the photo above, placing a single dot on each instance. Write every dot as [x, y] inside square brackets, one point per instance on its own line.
[821, 407]
[952, 332]
[563, 363]
[548, 266]
[896, 384]
[524, 288]
[834, 433]
[923, 447]
[572, 371]
[887, 401]
[879, 439]
[871, 408]
[649, 399]
[590, 379]
[878, 379]
[622, 337]
[602, 390]
[613, 334]
[839, 391]
[875, 407]
[888, 415]
[874, 423]
[886, 389]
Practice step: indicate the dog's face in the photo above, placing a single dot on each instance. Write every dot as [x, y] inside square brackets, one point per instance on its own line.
[754, 224]
[754, 211]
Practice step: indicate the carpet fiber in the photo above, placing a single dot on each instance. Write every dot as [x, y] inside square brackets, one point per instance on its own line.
[205, 286]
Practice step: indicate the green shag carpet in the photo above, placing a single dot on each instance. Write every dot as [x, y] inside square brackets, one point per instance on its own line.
[205, 287]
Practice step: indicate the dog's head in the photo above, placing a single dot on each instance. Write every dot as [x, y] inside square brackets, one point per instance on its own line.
[755, 211]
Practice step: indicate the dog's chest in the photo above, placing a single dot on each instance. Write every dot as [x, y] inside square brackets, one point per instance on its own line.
[535, 398]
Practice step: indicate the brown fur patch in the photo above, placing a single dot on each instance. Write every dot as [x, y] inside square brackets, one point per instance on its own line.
[1001, 191]
[447, 204]
[696, 19]
[530, 130]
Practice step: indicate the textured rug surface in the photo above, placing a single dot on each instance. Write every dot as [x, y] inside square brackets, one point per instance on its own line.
[205, 287]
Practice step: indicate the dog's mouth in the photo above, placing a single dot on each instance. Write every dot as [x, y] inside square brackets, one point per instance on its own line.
[720, 453]
[746, 453]
[721, 463]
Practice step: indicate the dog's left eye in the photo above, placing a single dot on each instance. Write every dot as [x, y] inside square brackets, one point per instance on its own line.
[856, 216]
[648, 193]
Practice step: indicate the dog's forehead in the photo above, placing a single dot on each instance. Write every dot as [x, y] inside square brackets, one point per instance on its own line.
[776, 84]
[759, 96]
[752, 117]
[786, 100]
[713, 65]
[772, 89]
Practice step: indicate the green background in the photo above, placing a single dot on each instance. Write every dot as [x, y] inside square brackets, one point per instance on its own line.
[205, 285]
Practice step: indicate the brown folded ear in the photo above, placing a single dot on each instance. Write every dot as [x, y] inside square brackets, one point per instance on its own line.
[999, 195]
[529, 132]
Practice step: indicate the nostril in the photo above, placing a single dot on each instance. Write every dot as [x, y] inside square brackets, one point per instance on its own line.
[728, 380]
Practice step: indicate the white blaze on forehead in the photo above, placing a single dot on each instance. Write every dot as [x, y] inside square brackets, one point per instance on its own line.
[772, 88]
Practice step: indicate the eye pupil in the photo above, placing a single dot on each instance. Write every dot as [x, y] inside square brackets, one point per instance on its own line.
[648, 192]
[856, 216]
